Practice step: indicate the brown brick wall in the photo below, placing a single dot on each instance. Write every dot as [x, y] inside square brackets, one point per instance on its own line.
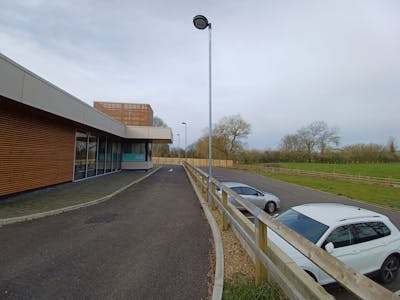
[36, 149]
[127, 113]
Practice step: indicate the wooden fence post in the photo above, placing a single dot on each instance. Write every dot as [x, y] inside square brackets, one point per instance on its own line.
[261, 239]
[203, 188]
[225, 223]
[213, 201]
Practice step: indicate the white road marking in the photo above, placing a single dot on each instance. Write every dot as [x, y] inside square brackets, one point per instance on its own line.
[397, 293]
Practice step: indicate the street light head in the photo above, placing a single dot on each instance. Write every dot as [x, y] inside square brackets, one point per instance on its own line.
[200, 22]
[184, 123]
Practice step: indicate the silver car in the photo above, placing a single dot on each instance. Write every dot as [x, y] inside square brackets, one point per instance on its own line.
[266, 201]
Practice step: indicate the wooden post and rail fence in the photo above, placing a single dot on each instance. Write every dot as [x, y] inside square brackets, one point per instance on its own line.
[222, 163]
[394, 182]
[273, 264]
[197, 162]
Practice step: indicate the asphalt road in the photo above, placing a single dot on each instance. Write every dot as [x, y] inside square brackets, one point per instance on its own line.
[292, 195]
[152, 241]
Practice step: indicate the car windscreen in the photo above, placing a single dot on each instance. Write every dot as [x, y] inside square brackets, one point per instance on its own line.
[303, 225]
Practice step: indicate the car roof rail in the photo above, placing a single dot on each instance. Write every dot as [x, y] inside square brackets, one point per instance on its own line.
[359, 217]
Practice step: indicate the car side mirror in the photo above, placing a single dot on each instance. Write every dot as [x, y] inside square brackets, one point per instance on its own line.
[329, 247]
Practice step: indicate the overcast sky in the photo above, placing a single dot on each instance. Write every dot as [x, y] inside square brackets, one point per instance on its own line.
[280, 64]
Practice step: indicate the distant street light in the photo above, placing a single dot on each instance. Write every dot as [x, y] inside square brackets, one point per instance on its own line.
[184, 123]
[201, 22]
[179, 144]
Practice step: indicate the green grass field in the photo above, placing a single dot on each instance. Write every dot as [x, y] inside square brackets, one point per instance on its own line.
[380, 195]
[391, 170]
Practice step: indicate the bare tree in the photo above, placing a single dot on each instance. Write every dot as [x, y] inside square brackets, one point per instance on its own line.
[292, 143]
[391, 145]
[316, 137]
[230, 131]
[158, 122]
[227, 139]
[160, 150]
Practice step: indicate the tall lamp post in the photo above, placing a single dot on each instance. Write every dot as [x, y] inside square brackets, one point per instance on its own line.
[201, 22]
[184, 123]
[179, 145]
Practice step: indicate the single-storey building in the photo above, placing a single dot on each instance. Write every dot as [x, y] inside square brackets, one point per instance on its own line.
[48, 136]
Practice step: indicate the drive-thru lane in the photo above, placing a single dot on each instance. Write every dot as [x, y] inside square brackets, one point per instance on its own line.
[152, 241]
[292, 195]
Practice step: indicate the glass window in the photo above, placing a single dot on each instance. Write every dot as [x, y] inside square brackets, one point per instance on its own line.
[102, 156]
[370, 231]
[119, 156]
[237, 190]
[134, 152]
[114, 156]
[92, 155]
[80, 155]
[109, 156]
[340, 237]
[307, 227]
[249, 191]
[149, 146]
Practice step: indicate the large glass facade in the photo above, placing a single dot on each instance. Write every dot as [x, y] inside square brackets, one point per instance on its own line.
[134, 152]
[80, 155]
[101, 163]
[119, 158]
[95, 155]
[92, 156]
[109, 156]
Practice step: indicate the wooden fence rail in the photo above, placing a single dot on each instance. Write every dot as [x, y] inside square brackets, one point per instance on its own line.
[272, 263]
[336, 176]
[197, 162]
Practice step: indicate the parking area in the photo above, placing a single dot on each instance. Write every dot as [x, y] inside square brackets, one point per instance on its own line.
[292, 195]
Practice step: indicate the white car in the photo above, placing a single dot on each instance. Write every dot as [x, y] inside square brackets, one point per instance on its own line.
[360, 238]
[266, 201]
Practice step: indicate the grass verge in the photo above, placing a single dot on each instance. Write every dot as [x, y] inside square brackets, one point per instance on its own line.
[241, 288]
[383, 196]
[239, 270]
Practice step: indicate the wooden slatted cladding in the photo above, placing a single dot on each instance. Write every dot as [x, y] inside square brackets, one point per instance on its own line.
[36, 149]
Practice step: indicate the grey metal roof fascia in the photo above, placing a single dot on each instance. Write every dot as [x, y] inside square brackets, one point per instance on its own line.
[111, 121]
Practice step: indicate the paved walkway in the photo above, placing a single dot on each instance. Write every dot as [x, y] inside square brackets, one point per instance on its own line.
[149, 242]
[66, 194]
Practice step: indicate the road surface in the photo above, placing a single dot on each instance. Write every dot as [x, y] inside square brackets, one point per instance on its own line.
[152, 241]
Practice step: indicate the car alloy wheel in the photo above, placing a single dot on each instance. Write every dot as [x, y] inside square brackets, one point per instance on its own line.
[270, 207]
[389, 269]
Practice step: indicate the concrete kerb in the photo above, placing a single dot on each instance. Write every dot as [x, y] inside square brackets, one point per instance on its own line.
[9, 221]
[219, 252]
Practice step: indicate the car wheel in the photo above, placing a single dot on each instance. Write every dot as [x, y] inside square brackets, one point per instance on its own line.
[270, 207]
[389, 269]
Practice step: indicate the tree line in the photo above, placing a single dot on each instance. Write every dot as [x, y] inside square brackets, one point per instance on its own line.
[316, 142]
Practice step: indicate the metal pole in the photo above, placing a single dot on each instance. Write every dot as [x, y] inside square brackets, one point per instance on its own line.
[179, 145]
[184, 123]
[185, 139]
[210, 111]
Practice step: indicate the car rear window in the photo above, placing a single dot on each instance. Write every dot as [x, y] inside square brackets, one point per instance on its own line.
[370, 231]
[303, 225]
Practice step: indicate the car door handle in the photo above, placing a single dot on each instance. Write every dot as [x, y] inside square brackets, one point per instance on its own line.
[356, 251]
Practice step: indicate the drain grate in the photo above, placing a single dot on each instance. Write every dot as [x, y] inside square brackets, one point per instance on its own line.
[106, 218]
